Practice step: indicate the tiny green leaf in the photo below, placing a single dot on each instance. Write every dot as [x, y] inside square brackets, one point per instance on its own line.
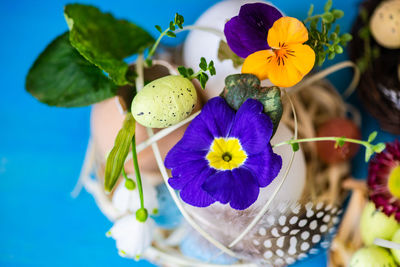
[203, 78]
[337, 13]
[158, 27]
[116, 158]
[328, 5]
[211, 68]
[171, 26]
[338, 49]
[378, 148]
[372, 136]
[310, 11]
[327, 17]
[182, 71]
[61, 77]
[190, 71]
[295, 146]
[346, 37]
[171, 34]
[368, 153]
[340, 142]
[98, 37]
[203, 64]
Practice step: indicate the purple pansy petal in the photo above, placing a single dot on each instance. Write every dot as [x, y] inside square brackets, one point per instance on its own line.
[214, 184]
[252, 127]
[218, 117]
[193, 194]
[245, 189]
[247, 33]
[178, 156]
[265, 166]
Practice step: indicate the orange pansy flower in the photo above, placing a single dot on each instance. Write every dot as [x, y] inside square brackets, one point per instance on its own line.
[289, 60]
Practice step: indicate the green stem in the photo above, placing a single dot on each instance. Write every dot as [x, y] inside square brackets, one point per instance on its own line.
[194, 75]
[137, 173]
[317, 139]
[124, 174]
[155, 45]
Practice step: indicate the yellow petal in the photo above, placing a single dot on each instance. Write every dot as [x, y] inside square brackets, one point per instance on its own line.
[287, 30]
[296, 65]
[257, 62]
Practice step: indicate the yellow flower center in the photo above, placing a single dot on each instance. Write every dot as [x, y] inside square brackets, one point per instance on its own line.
[394, 182]
[226, 154]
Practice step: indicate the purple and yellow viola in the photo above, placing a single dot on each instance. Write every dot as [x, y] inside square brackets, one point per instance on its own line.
[272, 45]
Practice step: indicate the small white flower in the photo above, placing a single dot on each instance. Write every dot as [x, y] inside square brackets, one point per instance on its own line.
[132, 237]
[125, 200]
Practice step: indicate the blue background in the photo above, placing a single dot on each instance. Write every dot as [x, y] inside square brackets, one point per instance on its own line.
[42, 148]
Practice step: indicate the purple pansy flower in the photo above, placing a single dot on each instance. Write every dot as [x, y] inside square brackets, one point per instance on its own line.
[247, 32]
[224, 156]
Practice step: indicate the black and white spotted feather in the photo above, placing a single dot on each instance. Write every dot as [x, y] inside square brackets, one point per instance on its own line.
[286, 233]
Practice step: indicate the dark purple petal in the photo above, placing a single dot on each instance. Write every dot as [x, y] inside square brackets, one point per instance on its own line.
[219, 186]
[218, 117]
[193, 194]
[245, 189]
[238, 187]
[265, 166]
[252, 127]
[178, 155]
[247, 33]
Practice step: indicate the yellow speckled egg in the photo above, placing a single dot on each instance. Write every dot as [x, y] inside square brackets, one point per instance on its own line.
[164, 102]
[385, 24]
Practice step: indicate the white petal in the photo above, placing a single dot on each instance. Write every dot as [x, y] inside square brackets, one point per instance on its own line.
[132, 237]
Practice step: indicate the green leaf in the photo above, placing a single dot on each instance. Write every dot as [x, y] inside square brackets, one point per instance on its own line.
[368, 153]
[372, 136]
[337, 13]
[158, 27]
[346, 37]
[116, 158]
[203, 64]
[327, 17]
[61, 77]
[104, 40]
[171, 34]
[203, 78]
[240, 87]
[295, 146]
[338, 49]
[328, 5]
[310, 11]
[378, 148]
[225, 53]
[183, 71]
[340, 142]
[171, 26]
[179, 20]
[211, 68]
[190, 71]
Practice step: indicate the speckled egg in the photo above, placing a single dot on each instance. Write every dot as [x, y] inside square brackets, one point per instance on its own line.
[164, 102]
[385, 24]
[372, 257]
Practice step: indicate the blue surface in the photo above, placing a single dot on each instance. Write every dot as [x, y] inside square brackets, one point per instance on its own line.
[42, 148]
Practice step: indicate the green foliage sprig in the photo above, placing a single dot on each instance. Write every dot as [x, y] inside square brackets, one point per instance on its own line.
[201, 75]
[325, 41]
[370, 148]
[170, 32]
